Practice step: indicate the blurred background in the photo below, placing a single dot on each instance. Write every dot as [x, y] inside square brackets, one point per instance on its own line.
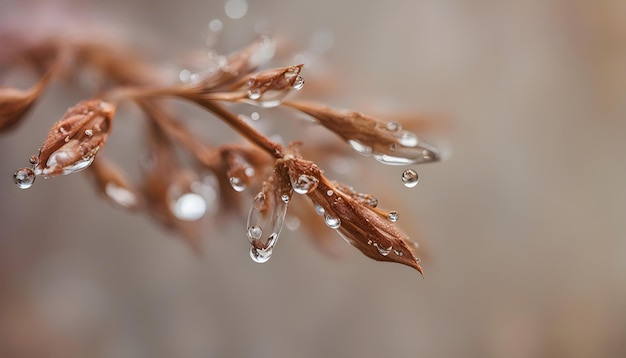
[523, 228]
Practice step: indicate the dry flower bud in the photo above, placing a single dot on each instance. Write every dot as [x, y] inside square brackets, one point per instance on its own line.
[73, 142]
[356, 220]
[386, 141]
[113, 185]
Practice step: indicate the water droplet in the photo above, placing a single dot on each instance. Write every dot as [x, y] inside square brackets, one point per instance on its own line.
[319, 210]
[285, 198]
[330, 192]
[260, 256]
[24, 178]
[189, 207]
[372, 201]
[331, 221]
[381, 250]
[393, 216]
[360, 147]
[237, 183]
[255, 116]
[393, 126]
[398, 252]
[121, 196]
[408, 139]
[184, 75]
[254, 94]
[67, 139]
[88, 132]
[305, 184]
[298, 83]
[254, 232]
[34, 159]
[409, 178]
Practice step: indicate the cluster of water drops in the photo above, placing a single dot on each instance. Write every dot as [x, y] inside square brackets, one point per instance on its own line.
[265, 222]
[269, 98]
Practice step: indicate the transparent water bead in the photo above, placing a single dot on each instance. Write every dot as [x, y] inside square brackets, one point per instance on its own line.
[381, 250]
[409, 178]
[360, 147]
[331, 221]
[393, 216]
[238, 184]
[24, 178]
[304, 184]
[265, 222]
[298, 84]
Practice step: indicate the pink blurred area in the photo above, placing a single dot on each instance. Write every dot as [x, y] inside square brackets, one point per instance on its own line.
[525, 223]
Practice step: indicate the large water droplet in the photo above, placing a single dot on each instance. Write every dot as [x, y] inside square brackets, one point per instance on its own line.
[24, 178]
[331, 221]
[360, 147]
[237, 183]
[305, 184]
[189, 207]
[393, 216]
[409, 178]
[260, 256]
[408, 139]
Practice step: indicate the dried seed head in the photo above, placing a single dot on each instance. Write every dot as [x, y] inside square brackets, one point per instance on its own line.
[73, 142]
[355, 218]
[387, 142]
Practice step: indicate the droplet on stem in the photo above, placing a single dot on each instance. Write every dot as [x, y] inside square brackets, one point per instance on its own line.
[24, 178]
[304, 184]
[331, 221]
[409, 178]
[393, 216]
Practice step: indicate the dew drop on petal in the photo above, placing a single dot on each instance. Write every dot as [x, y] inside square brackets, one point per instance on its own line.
[34, 159]
[285, 198]
[254, 94]
[298, 84]
[372, 201]
[24, 178]
[409, 178]
[408, 139]
[393, 126]
[398, 252]
[329, 193]
[189, 207]
[254, 232]
[331, 221]
[360, 147]
[305, 184]
[237, 183]
[393, 216]
[319, 210]
[381, 250]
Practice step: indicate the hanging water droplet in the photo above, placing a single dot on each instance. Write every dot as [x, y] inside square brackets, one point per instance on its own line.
[381, 250]
[360, 147]
[24, 178]
[393, 216]
[237, 183]
[260, 256]
[331, 221]
[298, 83]
[409, 178]
[285, 198]
[319, 210]
[254, 232]
[34, 160]
[305, 184]
[254, 94]
[393, 126]
[189, 207]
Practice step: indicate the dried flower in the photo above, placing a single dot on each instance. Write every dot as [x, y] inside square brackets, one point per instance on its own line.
[73, 142]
